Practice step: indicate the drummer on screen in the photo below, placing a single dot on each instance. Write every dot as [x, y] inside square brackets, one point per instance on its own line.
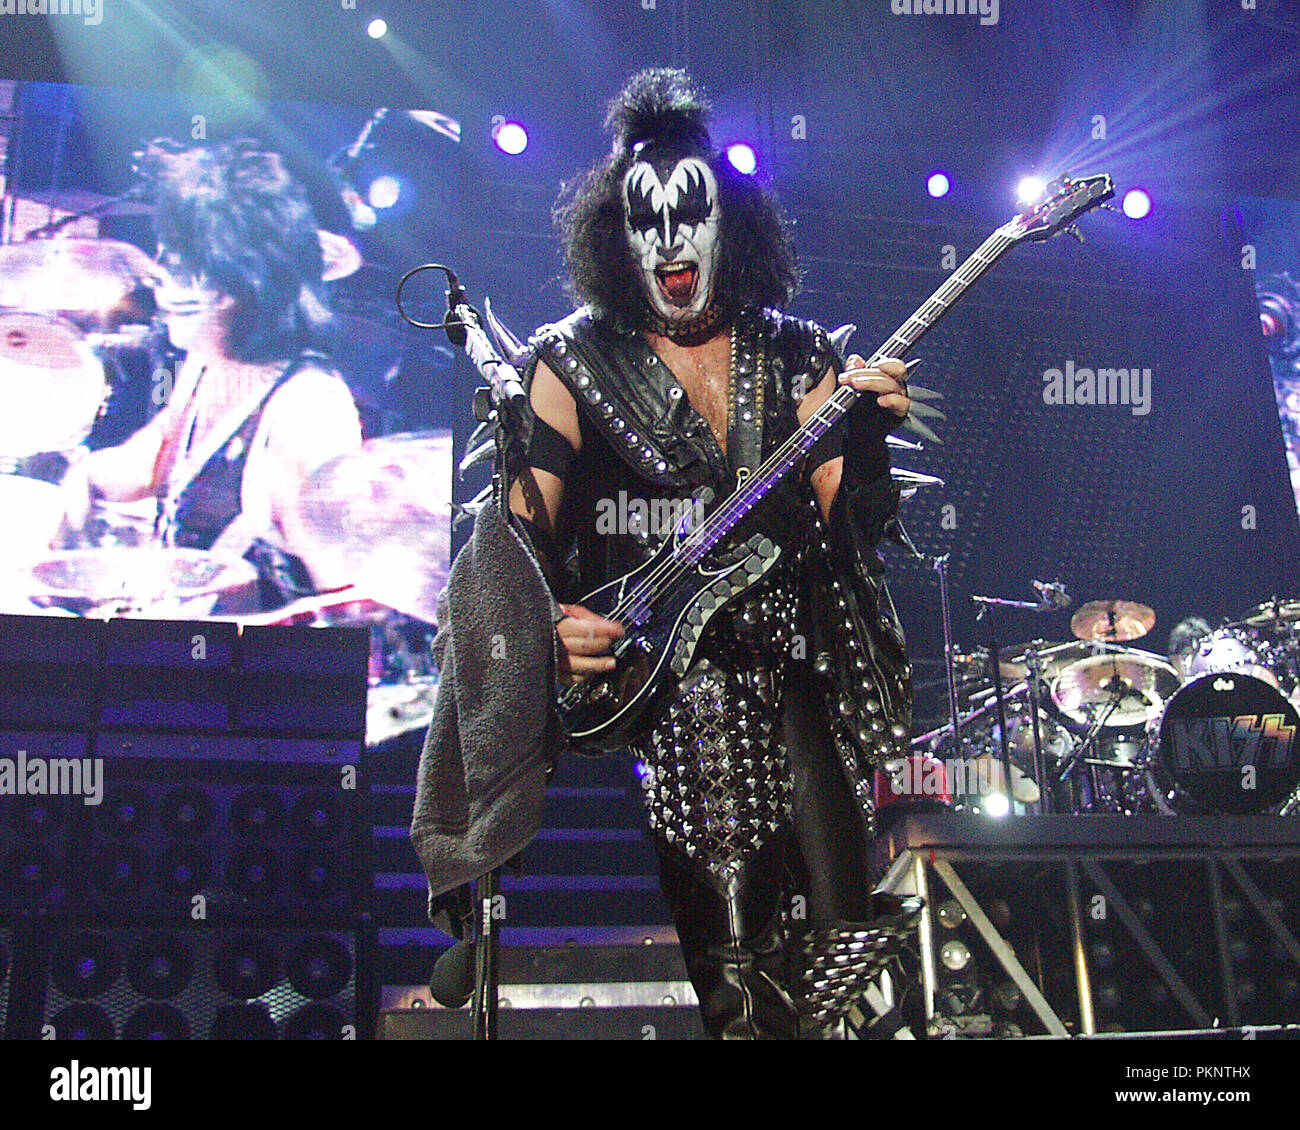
[256, 406]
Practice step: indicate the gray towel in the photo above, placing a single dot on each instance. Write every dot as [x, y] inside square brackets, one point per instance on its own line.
[495, 730]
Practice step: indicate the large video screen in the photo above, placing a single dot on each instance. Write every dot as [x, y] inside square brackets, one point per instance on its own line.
[209, 404]
[1272, 251]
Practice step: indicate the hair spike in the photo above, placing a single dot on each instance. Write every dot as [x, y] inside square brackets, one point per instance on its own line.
[658, 104]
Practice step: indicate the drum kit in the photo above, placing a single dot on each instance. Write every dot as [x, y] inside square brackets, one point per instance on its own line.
[379, 516]
[1124, 731]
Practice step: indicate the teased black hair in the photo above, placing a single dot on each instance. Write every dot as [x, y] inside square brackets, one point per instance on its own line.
[658, 113]
[234, 214]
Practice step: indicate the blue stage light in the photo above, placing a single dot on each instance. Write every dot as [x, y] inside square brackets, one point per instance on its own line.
[938, 184]
[742, 158]
[1137, 204]
[510, 137]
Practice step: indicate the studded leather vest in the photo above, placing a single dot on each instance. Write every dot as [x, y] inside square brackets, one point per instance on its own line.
[649, 460]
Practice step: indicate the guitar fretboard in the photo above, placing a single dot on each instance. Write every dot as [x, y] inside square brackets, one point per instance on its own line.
[723, 520]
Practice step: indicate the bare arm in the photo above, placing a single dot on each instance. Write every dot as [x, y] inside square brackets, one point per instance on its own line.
[537, 495]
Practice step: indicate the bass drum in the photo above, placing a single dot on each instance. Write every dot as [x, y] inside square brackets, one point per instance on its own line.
[1226, 744]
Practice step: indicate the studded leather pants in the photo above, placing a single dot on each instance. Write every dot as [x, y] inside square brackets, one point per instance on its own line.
[743, 819]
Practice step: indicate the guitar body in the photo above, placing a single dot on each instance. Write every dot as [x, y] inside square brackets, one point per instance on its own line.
[660, 638]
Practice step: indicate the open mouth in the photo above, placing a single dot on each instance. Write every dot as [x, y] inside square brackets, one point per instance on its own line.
[677, 282]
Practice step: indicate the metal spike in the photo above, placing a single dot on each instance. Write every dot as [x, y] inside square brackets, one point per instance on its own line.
[480, 454]
[901, 444]
[914, 478]
[471, 508]
[476, 436]
[840, 337]
[910, 422]
[917, 392]
[926, 411]
[512, 349]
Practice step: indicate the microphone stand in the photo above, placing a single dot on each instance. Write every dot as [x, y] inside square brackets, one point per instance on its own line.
[500, 402]
[995, 661]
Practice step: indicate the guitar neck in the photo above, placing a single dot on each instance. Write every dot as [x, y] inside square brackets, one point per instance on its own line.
[749, 494]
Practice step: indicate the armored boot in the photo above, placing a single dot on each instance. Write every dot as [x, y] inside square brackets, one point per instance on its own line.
[838, 962]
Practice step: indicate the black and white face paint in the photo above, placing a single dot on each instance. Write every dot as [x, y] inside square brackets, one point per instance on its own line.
[672, 228]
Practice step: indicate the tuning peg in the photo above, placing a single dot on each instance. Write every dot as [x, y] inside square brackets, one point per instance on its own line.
[1073, 230]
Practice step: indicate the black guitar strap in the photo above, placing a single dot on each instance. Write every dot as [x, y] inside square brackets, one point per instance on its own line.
[745, 399]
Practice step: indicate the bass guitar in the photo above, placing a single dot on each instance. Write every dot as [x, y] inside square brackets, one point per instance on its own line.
[666, 603]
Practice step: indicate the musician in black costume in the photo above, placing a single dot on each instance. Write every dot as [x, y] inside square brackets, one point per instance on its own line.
[257, 407]
[675, 379]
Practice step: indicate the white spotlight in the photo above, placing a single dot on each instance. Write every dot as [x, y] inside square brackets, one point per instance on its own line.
[1030, 190]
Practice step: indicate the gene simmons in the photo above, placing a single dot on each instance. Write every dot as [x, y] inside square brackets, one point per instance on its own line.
[674, 380]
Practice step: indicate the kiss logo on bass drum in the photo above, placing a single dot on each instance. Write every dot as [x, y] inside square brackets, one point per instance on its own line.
[1226, 744]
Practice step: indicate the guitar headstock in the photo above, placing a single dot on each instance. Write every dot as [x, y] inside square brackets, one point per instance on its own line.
[1063, 202]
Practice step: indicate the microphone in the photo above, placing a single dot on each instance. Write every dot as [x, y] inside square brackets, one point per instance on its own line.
[340, 167]
[466, 331]
[1053, 595]
[451, 983]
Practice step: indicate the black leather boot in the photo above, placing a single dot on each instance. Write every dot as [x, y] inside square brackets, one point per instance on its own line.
[731, 934]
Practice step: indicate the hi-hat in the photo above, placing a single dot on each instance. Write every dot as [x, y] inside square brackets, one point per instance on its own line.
[1117, 621]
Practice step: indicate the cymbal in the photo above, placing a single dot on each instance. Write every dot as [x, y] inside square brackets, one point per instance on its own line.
[78, 200]
[132, 578]
[1139, 682]
[1116, 620]
[88, 279]
[51, 383]
[1272, 613]
[380, 518]
[1052, 658]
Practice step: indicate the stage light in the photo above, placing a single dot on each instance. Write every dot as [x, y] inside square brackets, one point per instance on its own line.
[384, 192]
[996, 805]
[1030, 190]
[938, 184]
[377, 29]
[955, 955]
[1137, 204]
[742, 158]
[510, 137]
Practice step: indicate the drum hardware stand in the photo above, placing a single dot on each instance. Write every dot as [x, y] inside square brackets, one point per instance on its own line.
[1074, 758]
[940, 565]
[1035, 697]
[1041, 605]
